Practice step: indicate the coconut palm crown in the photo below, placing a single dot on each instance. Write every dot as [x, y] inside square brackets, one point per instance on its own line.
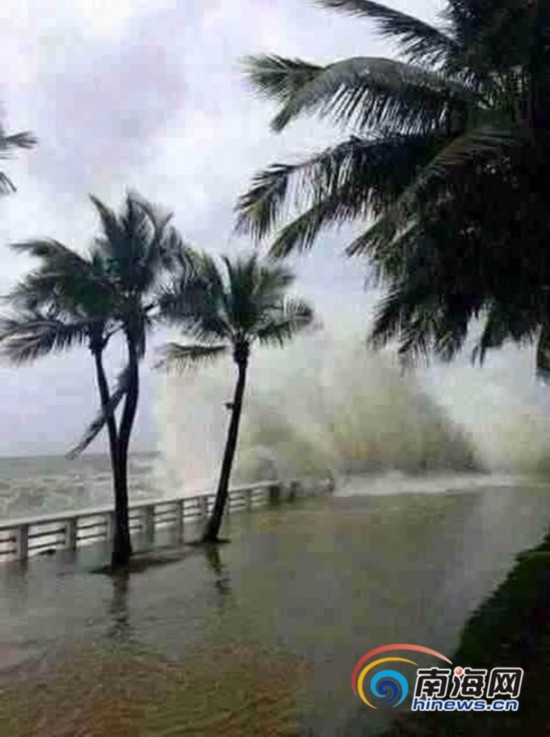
[444, 169]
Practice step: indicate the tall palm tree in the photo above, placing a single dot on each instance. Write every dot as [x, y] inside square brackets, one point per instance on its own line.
[9, 143]
[228, 309]
[73, 299]
[446, 166]
[140, 251]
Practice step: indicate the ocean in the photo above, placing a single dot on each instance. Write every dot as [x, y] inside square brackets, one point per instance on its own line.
[34, 485]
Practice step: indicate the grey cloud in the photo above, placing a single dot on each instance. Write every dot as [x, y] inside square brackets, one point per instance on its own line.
[159, 104]
[101, 102]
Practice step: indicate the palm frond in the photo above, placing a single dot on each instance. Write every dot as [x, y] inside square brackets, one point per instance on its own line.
[340, 183]
[71, 283]
[260, 209]
[103, 416]
[8, 143]
[278, 78]
[420, 321]
[161, 249]
[24, 140]
[186, 357]
[482, 145]
[479, 144]
[300, 234]
[235, 304]
[197, 301]
[113, 240]
[272, 281]
[6, 185]
[281, 325]
[367, 92]
[55, 256]
[179, 257]
[26, 337]
[419, 41]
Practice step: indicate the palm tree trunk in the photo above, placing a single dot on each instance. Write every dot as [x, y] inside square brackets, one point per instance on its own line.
[122, 543]
[105, 398]
[214, 523]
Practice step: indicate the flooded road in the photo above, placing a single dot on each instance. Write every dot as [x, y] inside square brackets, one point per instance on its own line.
[260, 638]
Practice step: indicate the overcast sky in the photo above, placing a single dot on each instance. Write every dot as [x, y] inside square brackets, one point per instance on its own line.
[149, 94]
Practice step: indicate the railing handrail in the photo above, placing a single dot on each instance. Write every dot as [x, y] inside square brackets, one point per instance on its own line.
[9, 524]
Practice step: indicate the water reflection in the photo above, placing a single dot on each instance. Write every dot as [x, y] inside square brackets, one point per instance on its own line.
[222, 581]
[119, 616]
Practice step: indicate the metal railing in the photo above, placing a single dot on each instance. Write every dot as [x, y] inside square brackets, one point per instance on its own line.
[31, 536]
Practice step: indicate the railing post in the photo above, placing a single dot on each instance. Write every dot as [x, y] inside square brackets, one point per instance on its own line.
[71, 534]
[204, 506]
[293, 490]
[22, 542]
[274, 494]
[149, 522]
[180, 510]
[110, 527]
[248, 494]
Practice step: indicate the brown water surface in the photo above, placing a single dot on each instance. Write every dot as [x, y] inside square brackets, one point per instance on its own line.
[261, 638]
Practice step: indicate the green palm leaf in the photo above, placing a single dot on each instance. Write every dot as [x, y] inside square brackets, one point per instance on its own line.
[237, 304]
[27, 337]
[8, 143]
[367, 92]
[278, 78]
[186, 357]
[419, 41]
[103, 416]
[281, 325]
[24, 140]
[341, 183]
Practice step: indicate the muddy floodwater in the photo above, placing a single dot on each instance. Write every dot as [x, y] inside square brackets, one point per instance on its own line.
[261, 638]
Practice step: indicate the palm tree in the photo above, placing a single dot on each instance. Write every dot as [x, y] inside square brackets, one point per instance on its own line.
[73, 299]
[8, 143]
[228, 310]
[139, 250]
[448, 161]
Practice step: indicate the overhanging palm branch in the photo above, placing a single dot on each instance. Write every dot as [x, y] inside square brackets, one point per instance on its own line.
[484, 146]
[341, 183]
[366, 92]
[449, 173]
[418, 40]
[103, 416]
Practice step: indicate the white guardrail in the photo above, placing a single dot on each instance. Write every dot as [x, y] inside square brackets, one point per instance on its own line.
[31, 536]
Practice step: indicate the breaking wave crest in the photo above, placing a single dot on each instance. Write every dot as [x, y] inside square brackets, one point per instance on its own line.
[321, 406]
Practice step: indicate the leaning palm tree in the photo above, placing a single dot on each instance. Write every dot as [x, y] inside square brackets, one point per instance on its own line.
[72, 299]
[228, 310]
[446, 168]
